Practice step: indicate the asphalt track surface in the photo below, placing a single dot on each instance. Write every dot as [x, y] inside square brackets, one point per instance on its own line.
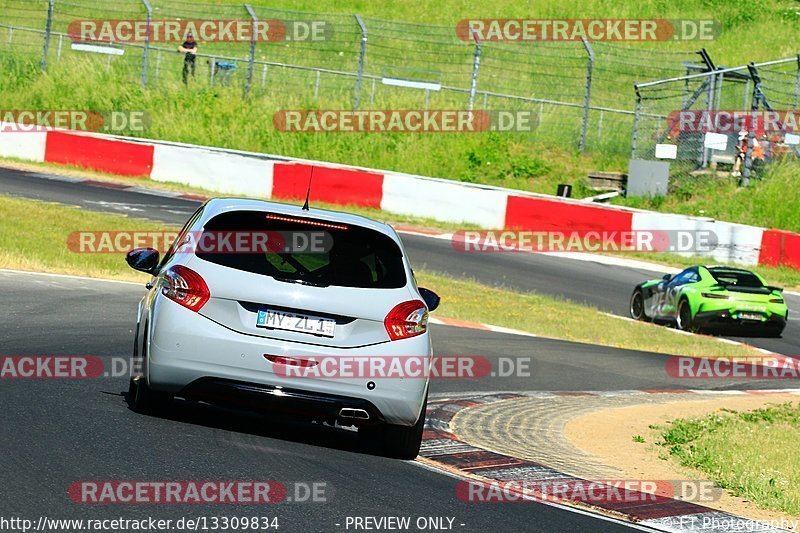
[606, 287]
[59, 431]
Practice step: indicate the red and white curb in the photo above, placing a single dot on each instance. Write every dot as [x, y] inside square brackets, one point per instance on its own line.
[443, 449]
[274, 176]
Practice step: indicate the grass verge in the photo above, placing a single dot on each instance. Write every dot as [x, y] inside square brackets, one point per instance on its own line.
[373, 213]
[750, 453]
[782, 276]
[26, 243]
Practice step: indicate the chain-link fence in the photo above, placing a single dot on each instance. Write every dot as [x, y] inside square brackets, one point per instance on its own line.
[730, 102]
[577, 90]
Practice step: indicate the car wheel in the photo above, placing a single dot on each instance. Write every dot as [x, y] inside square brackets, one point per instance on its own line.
[685, 316]
[637, 306]
[141, 398]
[145, 400]
[400, 442]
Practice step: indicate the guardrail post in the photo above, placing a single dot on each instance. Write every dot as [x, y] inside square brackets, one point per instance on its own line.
[476, 63]
[588, 95]
[146, 49]
[361, 57]
[252, 61]
[47, 29]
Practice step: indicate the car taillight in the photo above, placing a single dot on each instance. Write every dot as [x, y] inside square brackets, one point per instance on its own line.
[185, 286]
[407, 319]
[717, 296]
[776, 301]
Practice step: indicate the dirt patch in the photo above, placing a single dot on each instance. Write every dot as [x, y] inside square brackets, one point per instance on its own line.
[607, 435]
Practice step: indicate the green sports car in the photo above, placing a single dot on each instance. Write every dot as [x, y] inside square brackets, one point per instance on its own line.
[712, 298]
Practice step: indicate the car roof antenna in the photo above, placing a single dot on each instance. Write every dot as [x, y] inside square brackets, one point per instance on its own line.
[308, 192]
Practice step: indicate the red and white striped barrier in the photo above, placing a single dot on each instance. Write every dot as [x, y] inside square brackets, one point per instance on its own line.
[269, 176]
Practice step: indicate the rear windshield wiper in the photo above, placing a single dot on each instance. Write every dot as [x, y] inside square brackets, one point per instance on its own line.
[301, 282]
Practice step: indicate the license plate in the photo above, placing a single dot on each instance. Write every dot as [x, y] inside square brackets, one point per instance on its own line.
[750, 316]
[295, 322]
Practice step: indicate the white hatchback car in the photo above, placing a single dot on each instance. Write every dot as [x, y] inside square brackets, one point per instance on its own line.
[227, 324]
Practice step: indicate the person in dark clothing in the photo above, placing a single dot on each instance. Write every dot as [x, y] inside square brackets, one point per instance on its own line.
[189, 51]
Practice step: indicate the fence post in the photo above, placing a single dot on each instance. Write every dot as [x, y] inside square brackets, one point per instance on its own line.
[361, 57]
[797, 84]
[588, 96]
[252, 61]
[744, 181]
[146, 50]
[47, 29]
[476, 63]
[636, 113]
[710, 96]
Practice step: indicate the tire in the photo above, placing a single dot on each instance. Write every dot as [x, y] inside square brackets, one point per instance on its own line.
[146, 401]
[400, 442]
[684, 316]
[636, 307]
[141, 398]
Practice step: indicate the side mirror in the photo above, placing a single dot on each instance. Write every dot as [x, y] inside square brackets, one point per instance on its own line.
[431, 298]
[666, 277]
[143, 259]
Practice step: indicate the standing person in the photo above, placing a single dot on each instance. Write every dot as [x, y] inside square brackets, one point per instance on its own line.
[189, 51]
[741, 151]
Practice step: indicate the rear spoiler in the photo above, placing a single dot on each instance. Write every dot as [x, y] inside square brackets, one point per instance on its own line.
[775, 289]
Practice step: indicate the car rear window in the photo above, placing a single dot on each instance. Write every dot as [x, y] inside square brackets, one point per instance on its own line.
[736, 278]
[314, 251]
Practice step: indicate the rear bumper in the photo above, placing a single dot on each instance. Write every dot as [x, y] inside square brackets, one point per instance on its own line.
[728, 319]
[190, 355]
[269, 398]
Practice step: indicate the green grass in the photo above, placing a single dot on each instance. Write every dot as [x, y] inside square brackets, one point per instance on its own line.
[27, 243]
[219, 116]
[538, 161]
[558, 318]
[751, 454]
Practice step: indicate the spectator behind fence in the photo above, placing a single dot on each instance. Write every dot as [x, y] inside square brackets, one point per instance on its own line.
[189, 51]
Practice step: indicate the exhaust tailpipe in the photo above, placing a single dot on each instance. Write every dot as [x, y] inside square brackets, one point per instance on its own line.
[360, 414]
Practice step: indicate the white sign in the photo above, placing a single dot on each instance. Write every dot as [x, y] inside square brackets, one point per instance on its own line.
[79, 47]
[715, 141]
[412, 84]
[791, 138]
[666, 151]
